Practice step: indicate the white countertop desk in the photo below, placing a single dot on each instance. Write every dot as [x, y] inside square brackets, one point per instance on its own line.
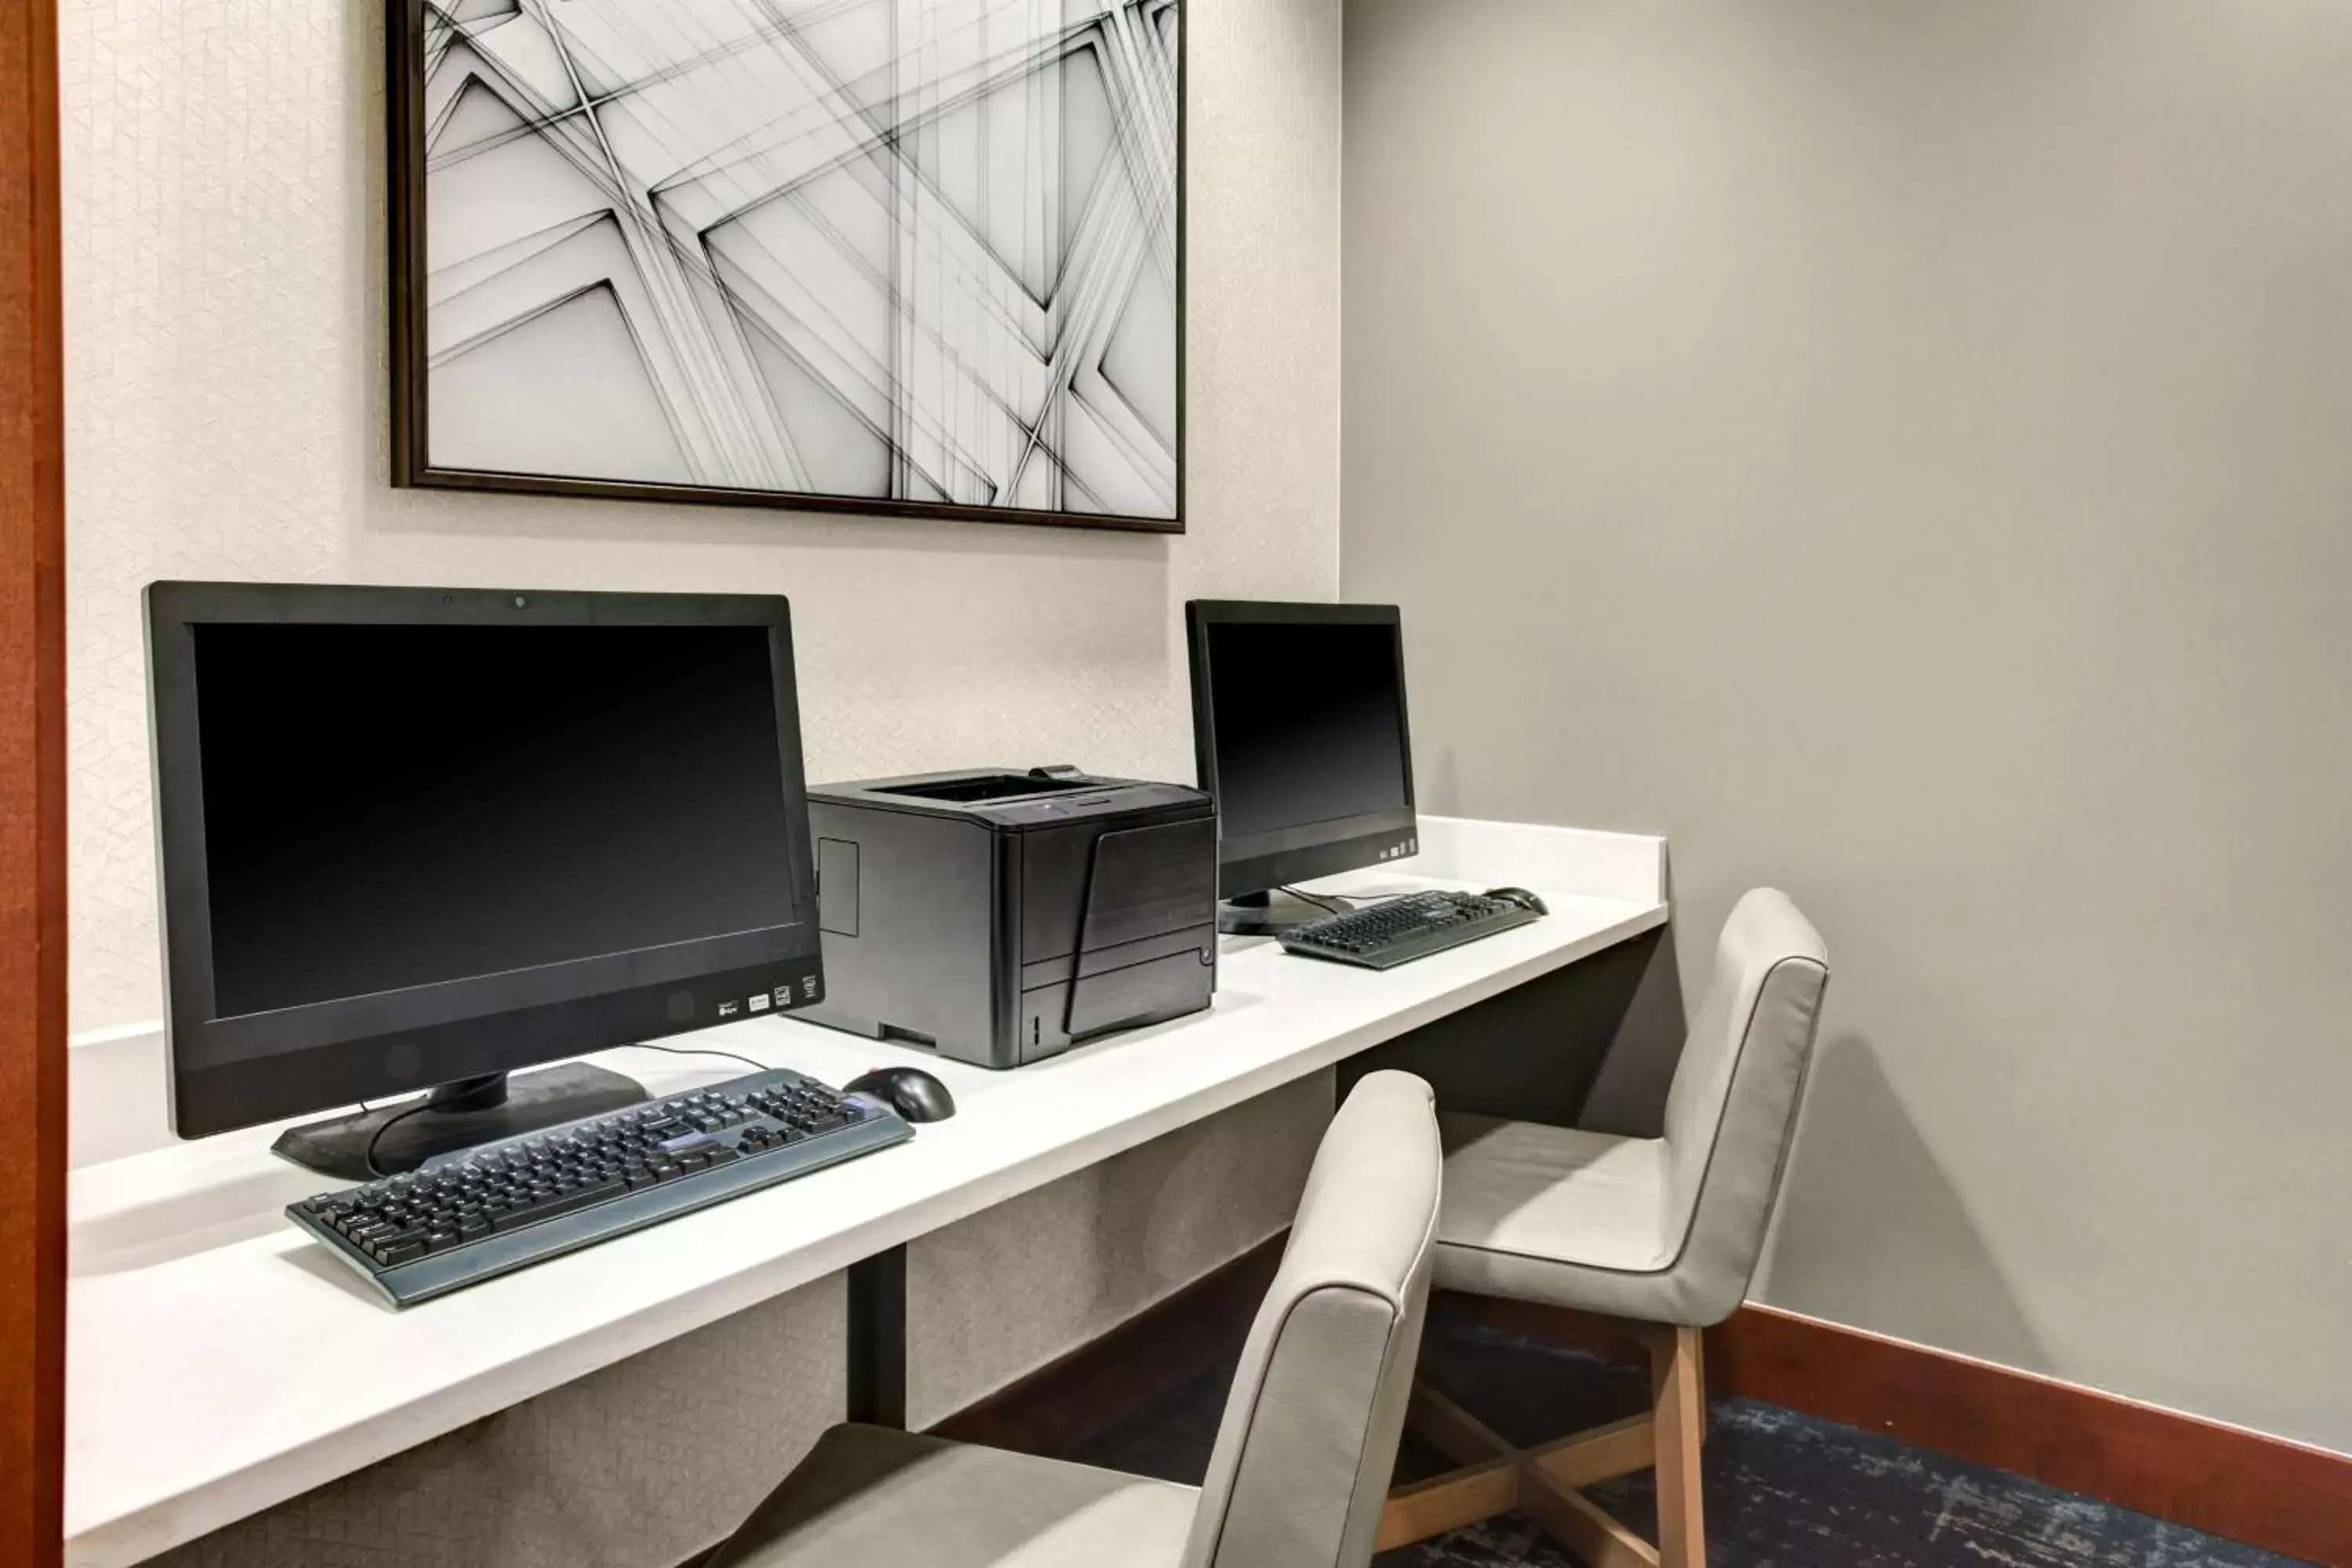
[219, 1362]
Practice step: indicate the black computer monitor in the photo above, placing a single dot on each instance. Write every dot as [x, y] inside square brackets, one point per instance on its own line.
[1298, 725]
[414, 838]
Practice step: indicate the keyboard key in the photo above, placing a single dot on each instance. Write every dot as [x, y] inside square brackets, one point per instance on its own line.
[557, 1203]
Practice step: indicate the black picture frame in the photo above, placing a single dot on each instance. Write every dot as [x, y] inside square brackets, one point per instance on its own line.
[411, 463]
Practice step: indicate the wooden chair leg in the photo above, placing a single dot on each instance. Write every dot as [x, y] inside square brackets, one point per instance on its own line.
[1449, 1501]
[1600, 1453]
[1698, 1370]
[1679, 1398]
[1545, 1482]
[1581, 1525]
[1487, 1484]
[1451, 1430]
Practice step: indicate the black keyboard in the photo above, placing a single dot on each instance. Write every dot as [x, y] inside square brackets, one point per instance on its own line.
[471, 1215]
[1383, 935]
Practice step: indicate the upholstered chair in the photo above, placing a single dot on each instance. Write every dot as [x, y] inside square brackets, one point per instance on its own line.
[1659, 1234]
[1301, 1462]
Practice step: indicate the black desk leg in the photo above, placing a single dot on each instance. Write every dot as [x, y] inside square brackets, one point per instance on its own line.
[878, 1338]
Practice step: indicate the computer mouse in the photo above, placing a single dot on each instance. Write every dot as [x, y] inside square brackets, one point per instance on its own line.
[910, 1092]
[1520, 897]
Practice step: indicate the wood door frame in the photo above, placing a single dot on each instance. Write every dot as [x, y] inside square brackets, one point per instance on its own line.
[32, 797]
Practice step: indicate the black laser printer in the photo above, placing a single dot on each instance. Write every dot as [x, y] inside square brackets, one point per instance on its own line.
[1000, 917]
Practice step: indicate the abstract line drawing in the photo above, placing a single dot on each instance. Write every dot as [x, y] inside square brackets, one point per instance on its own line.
[911, 257]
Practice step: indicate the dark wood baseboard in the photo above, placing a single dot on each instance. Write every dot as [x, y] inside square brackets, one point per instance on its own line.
[2282, 1496]
[2226, 1480]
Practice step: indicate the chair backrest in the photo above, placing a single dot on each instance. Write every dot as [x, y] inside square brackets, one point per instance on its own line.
[1301, 1464]
[1733, 1105]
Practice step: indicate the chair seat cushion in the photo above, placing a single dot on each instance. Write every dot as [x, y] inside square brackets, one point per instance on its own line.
[868, 1495]
[1665, 1230]
[1516, 1191]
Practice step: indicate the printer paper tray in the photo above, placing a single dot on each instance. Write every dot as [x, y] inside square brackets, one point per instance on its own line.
[1141, 992]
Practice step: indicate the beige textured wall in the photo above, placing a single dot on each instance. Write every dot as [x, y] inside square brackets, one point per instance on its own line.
[1899, 449]
[640, 1466]
[225, 346]
[1000, 1295]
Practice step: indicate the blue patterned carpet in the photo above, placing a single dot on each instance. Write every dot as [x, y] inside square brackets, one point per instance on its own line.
[1783, 1490]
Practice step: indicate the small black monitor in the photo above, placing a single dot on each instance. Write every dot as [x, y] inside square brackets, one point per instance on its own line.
[415, 839]
[1299, 730]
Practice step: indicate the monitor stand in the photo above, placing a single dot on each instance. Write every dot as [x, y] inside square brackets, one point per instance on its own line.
[1270, 913]
[455, 1116]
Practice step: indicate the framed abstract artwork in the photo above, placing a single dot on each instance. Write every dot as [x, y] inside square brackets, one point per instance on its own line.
[918, 258]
